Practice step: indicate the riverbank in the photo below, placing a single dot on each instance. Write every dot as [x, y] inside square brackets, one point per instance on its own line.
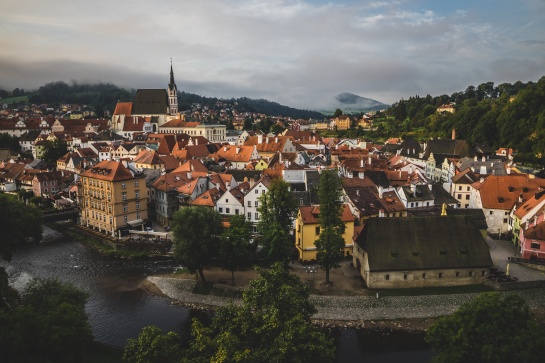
[404, 313]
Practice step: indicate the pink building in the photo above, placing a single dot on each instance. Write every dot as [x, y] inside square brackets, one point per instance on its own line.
[532, 239]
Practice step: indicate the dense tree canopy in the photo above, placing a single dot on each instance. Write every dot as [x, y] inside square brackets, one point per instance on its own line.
[277, 210]
[507, 115]
[330, 243]
[491, 329]
[20, 224]
[152, 346]
[236, 247]
[53, 150]
[50, 325]
[197, 232]
[273, 325]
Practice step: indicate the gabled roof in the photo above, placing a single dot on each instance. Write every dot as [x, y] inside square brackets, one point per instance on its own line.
[502, 192]
[192, 165]
[311, 214]
[236, 153]
[123, 108]
[530, 204]
[466, 176]
[148, 157]
[423, 192]
[208, 198]
[150, 102]
[108, 170]
[443, 242]
[445, 148]
[536, 232]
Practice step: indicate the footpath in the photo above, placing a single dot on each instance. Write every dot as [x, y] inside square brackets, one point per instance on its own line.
[358, 309]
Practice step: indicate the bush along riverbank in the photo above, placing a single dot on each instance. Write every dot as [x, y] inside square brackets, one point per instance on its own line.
[102, 244]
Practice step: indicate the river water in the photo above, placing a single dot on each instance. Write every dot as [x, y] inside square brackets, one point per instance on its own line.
[118, 309]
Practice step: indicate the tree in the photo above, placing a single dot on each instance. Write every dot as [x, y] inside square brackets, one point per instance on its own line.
[272, 325]
[197, 231]
[330, 242]
[51, 320]
[20, 224]
[491, 328]
[338, 112]
[152, 346]
[235, 247]
[53, 150]
[277, 209]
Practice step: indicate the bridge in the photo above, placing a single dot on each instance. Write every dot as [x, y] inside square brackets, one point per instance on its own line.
[61, 215]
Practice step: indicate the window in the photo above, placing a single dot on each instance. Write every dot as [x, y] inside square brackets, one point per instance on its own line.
[459, 196]
[249, 203]
[137, 194]
[424, 275]
[138, 215]
[220, 209]
[405, 276]
[249, 215]
[535, 245]
[457, 274]
[124, 197]
[460, 187]
[412, 205]
[256, 204]
[125, 218]
[491, 212]
[123, 186]
[228, 210]
[125, 208]
[109, 197]
[236, 211]
[440, 275]
[386, 277]
[138, 206]
[468, 189]
[483, 273]
[257, 216]
[505, 220]
[317, 230]
[467, 197]
[136, 183]
[263, 192]
[256, 191]
[226, 200]
[111, 220]
[471, 273]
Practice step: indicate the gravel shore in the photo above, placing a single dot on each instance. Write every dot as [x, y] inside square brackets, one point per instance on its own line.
[348, 309]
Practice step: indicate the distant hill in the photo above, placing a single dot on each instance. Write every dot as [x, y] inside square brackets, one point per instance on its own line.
[245, 104]
[350, 103]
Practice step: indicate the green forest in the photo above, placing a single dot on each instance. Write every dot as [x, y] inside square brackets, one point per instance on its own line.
[507, 115]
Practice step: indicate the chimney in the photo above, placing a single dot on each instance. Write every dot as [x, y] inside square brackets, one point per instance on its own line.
[362, 175]
[381, 213]
[218, 186]
[267, 140]
[508, 170]
[237, 150]
[369, 160]
[361, 163]
[280, 157]
[358, 192]
[483, 169]
[276, 139]
[225, 149]
[483, 159]
[252, 182]
[453, 133]
[380, 192]
[410, 170]
[196, 141]
[260, 139]
[189, 175]
[413, 189]
[227, 186]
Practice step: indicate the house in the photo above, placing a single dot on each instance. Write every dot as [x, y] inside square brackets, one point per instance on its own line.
[111, 197]
[498, 194]
[421, 252]
[307, 231]
[415, 196]
[148, 159]
[252, 201]
[532, 240]
[268, 146]
[237, 156]
[232, 201]
[526, 212]
[461, 187]
[47, 183]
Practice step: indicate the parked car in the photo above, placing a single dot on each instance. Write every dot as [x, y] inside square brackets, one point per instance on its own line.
[149, 229]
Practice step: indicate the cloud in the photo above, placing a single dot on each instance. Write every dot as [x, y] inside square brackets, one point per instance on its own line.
[300, 53]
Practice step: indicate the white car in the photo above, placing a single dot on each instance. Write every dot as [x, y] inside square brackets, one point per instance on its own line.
[149, 229]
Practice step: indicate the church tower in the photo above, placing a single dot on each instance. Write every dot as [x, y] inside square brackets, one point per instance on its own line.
[172, 93]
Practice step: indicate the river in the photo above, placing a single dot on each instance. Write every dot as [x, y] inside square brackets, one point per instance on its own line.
[118, 309]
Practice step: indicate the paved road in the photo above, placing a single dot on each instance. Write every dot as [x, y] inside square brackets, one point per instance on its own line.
[500, 250]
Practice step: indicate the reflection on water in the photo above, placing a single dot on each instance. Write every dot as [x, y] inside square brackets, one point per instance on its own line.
[119, 308]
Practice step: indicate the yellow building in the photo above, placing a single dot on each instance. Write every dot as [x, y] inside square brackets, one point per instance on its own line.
[342, 122]
[307, 231]
[111, 197]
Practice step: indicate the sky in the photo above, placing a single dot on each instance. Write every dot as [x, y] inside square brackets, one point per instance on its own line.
[300, 53]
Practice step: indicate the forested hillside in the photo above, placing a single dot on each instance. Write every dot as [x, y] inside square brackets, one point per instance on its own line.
[507, 115]
[104, 96]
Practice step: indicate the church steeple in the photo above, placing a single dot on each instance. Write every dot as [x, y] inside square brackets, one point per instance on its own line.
[172, 93]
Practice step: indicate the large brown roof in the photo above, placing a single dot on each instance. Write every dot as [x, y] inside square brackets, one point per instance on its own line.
[503, 191]
[438, 242]
[123, 108]
[108, 170]
[311, 214]
[150, 102]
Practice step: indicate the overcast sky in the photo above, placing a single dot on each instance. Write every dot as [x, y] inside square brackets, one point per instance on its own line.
[297, 53]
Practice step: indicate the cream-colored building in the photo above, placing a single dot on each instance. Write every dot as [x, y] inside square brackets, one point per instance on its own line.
[111, 197]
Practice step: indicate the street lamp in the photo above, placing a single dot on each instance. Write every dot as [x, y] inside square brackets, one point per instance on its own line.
[310, 270]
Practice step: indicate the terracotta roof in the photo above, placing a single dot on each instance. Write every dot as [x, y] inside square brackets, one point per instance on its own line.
[530, 204]
[108, 170]
[235, 153]
[466, 176]
[311, 214]
[274, 144]
[192, 165]
[502, 192]
[171, 181]
[123, 108]
[208, 198]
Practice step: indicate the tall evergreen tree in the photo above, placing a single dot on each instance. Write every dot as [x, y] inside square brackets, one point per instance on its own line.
[277, 209]
[330, 242]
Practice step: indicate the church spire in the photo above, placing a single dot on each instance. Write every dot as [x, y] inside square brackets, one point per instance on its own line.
[172, 93]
